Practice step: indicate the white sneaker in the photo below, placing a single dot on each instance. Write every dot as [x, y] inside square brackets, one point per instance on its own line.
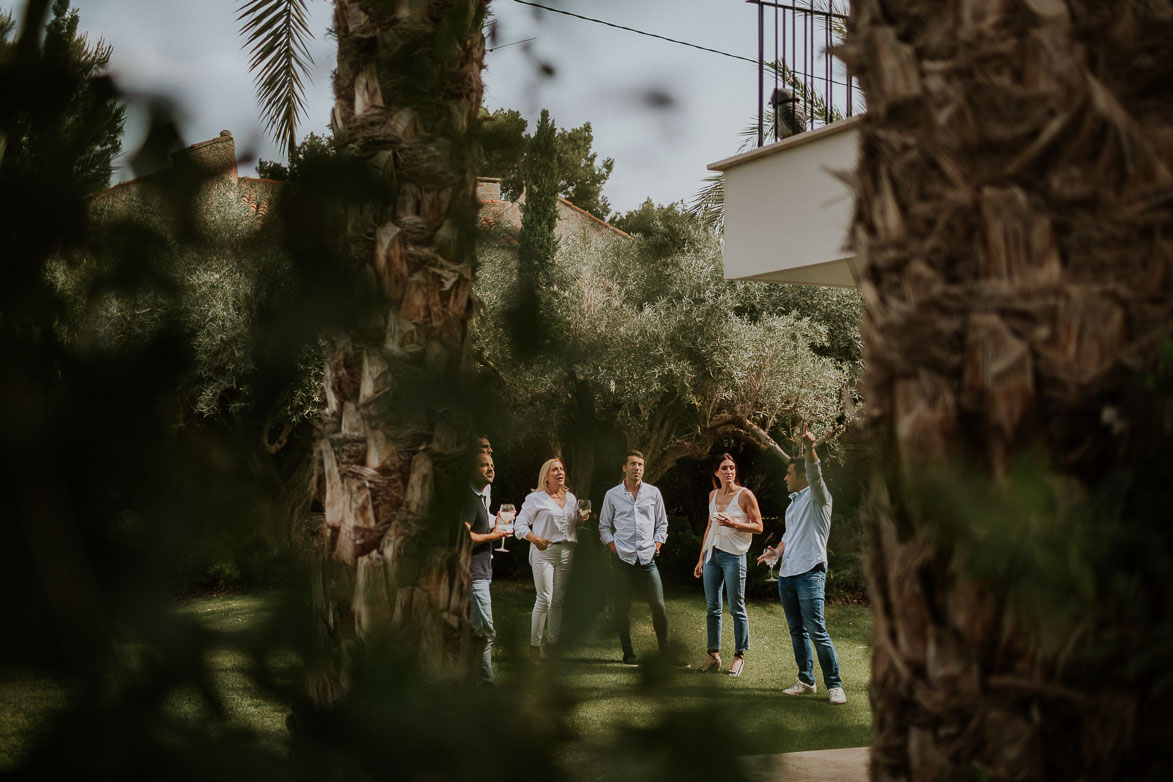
[801, 688]
[836, 696]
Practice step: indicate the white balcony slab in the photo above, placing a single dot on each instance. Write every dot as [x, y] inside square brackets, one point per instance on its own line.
[788, 209]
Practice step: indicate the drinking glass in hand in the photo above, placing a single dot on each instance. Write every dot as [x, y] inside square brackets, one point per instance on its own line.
[506, 514]
[584, 510]
[770, 558]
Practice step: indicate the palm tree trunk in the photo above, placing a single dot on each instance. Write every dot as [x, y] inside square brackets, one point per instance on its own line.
[1015, 269]
[407, 88]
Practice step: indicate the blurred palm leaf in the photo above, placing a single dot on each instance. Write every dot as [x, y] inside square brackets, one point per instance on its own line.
[708, 204]
[278, 34]
[836, 11]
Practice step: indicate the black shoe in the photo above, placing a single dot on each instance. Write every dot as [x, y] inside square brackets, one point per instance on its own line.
[676, 662]
[629, 659]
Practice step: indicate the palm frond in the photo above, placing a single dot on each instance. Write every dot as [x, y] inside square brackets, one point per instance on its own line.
[834, 10]
[708, 205]
[279, 36]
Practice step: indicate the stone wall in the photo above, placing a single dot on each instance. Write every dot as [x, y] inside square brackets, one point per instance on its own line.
[574, 224]
[214, 157]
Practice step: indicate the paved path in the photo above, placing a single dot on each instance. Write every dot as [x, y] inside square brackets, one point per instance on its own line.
[825, 765]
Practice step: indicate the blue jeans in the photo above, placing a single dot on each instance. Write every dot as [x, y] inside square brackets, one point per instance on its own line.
[481, 618]
[802, 600]
[649, 577]
[723, 567]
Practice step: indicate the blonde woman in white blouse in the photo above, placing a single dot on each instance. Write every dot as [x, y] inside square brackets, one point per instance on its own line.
[734, 517]
[547, 520]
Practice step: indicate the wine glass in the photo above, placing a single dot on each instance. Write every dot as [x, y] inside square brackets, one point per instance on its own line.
[584, 510]
[507, 512]
[771, 559]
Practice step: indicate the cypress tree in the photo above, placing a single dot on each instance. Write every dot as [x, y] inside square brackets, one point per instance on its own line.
[537, 242]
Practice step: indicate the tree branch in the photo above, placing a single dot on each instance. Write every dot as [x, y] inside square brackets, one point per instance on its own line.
[279, 443]
[698, 446]
[752, 433]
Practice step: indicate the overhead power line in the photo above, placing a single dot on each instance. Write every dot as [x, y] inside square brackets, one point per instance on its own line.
[639, 32]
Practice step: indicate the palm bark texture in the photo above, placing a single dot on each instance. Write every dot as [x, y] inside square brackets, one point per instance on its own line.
[1013, 224]
[408, 88]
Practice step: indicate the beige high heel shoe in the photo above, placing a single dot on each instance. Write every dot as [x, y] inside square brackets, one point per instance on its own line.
[712, 665]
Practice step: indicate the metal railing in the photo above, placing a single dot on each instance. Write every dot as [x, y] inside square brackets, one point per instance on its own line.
[811, 88]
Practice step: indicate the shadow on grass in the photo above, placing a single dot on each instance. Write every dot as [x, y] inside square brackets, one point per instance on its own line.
[616, 715]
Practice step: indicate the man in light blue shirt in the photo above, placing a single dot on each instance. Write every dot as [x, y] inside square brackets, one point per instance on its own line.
[633, 525]
[802, 573]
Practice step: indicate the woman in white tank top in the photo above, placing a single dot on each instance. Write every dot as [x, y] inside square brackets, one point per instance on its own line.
[734, 517]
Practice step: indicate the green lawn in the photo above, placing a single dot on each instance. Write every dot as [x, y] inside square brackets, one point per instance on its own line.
[26, 702]
[612, 697]
[604, 701]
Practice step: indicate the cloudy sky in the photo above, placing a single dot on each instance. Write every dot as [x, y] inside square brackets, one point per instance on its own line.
[191, 51]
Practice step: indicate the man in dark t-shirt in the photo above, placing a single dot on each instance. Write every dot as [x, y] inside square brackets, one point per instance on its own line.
[475, 515]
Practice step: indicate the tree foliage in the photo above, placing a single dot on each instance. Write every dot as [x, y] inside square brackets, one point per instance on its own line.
[311, 157]
[536, 243]
[107, 496]
[220, 272]
[503, 145]
[78, 145]
[663, 229]
[673, 354]
[581, 176]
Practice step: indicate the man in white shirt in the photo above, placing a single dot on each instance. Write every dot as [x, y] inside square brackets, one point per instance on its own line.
[633, 525]
[802, 573]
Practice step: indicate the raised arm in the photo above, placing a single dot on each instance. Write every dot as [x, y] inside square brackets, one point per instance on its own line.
[814, 469]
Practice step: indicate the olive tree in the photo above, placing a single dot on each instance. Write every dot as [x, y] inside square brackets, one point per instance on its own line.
[666, 349]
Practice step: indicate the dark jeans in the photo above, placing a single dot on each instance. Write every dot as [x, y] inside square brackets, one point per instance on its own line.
[648, 577]
[802, 600]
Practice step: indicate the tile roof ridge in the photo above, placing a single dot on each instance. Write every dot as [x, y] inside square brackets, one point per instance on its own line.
[596, 219]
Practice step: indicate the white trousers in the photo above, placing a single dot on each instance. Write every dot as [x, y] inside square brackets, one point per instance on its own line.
[551, 576]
